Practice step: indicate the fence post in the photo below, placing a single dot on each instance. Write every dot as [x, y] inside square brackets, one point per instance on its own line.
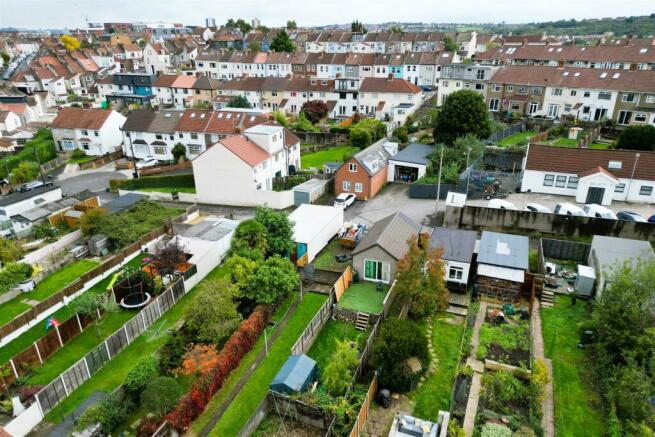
[61, 377]
[13, 367]
[107, 347]
[143, 319]
[38, 353]
[158, 307]
[61, 343]
[79, 323]
[127, 336]
[86, 364]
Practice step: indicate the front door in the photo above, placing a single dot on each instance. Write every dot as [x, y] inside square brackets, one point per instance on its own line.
[595, 195]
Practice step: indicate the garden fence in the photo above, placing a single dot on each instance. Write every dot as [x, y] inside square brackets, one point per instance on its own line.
[312, 330]
[92, 362]
[55, 163]
[362, 416]
[342, 284]
[101, 160]
[507, 132]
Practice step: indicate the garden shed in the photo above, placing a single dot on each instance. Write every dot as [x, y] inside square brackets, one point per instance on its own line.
[314, 227]
[309, 191]
[297, 375]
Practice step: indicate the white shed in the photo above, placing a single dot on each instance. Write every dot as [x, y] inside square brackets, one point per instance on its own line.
[314, 227]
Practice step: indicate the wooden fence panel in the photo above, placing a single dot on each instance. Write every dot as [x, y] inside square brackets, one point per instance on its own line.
[360, 423]
[48, 344]
[25, 359]
[343, 282]
[69, 329]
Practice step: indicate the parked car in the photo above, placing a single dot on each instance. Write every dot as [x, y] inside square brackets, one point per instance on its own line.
[147, 162]
[344, 200]
[501, 204]
[569, 209]
[630, 217]
[599, 211]
[651, 219]
[536, 207]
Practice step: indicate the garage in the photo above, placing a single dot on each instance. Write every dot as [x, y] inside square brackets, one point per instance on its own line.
[409, 164]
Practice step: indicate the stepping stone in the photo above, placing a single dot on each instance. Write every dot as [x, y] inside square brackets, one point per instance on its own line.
[31, 302]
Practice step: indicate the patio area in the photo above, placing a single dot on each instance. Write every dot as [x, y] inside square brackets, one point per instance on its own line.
[363, 296]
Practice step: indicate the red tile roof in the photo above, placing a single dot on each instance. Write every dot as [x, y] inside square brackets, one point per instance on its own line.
[596, 170]
[384, 85]
[78, 118]
[249, 152]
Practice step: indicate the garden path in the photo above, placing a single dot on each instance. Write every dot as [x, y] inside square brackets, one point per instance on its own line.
[547, 405]
[478, 370]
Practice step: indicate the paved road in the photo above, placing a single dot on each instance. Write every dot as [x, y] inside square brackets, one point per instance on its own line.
[96, 181]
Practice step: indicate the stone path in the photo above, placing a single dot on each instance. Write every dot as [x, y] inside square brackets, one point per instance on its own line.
[434, 360]
[548, 404]
[478, 369]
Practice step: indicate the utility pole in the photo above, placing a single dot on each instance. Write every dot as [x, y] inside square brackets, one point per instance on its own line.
[136, 172]
[439, 180]
[468, 171]
[38, 161]
[632, 176]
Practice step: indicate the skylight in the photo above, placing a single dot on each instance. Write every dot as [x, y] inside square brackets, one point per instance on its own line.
[576, 74]
[566, 73]
[193, 115]
[616, 75]
[603, 75]
[644, 50]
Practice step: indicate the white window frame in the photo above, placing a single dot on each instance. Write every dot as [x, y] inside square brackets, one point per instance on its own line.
[359, 187]
[345, 185]
[381, 276]
[352, 167]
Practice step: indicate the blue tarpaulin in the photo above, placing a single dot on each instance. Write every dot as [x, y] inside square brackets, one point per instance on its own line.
[297, 374]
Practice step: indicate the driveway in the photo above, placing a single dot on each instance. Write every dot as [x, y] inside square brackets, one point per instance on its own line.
[93, 181]
[394, 198]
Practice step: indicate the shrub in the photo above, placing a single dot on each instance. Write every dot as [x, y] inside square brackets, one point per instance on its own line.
[161, 394]
[147, 427]
[400, 134]
[13, 274]
[78, 153]
[137, 378]
[338, 373]
[109, 412]
[492, 429]
[360, 138]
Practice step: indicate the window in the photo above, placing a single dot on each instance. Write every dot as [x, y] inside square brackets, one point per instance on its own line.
[496, 88]
[620, 188]
[587, 94]
[628, 97]
[159, 136]
[548, 180]
[479, 86]
[574, 92]
[359, 187]
[479, 74]
[455, 273]
[510, 88]
[646, 190]
[195, 149]
[95, 133]
[494, 104]
[345, 186]
[352, 167]
[560, 182]
[194, 136]
[85, 132]
[573, 182]
[567, 108]
[640, 117]
[557, 91]
[532, 107]
[376, 270]
[604, 95]
[553, 110]
[624, 117]
[159, 150]
[650, 99]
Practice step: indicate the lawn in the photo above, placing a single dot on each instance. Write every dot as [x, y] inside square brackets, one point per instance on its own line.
[81, 160]
[191, 190]
[326, 261]
[256, 388]
[325, 344]
[434, 394]
[363, 296]
[46, 288]
[516, 138]
[599, 146]
[578, 409]
[333, 154]
[37, 331]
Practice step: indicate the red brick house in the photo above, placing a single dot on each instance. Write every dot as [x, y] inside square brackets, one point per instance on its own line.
[366, 172]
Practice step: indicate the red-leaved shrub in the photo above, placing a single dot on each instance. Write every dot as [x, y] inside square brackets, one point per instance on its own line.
[147, 427]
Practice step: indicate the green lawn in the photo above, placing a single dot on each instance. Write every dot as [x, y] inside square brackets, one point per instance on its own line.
[256, 388]
[516, 138]
[168, 189]
[434, 394]
[363, 296]
[81, 160]
[38, 331]
[325, 259]
[333, 154]
[599, 146]
[46, 288]
[577, 405]
[325, 344]
[246, 363]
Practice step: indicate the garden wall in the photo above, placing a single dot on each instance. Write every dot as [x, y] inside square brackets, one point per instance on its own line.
[324, 139]
[101, 160]
[480, 218]
[362, 416]
[429, 191]
[37, 256]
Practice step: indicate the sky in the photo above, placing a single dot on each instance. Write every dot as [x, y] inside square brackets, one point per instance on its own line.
[39, 14]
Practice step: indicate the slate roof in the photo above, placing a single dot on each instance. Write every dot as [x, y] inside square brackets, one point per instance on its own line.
[391, 234]
[374, 154]
[146, 120]
[78, 118]
[611, 251]
[504, 250]
[457, 244]
[414, 153]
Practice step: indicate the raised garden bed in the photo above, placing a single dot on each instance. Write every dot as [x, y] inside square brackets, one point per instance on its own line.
[506, 342]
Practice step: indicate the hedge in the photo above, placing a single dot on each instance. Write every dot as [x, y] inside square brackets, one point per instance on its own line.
[340, 129]
[181, 180]
[44, 145]
[13, 274]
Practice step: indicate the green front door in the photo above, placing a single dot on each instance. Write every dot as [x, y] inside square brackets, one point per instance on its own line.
[595, 195]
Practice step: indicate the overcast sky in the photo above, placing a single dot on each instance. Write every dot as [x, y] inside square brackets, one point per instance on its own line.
[73, 13]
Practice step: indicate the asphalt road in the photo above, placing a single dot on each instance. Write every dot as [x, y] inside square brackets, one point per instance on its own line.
[96, 181]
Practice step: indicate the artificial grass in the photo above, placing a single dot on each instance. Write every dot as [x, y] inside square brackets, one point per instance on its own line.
[246, 363]
[37, 331]
[46, 288]
[326, 261]
[333, 154]
[326, 343]
[256, 388]
[363, 296]
[512, 140]
[434, 394]
[578, 406]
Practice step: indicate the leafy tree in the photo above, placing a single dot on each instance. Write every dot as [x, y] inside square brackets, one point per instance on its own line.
[314, 110]
[338, 373]
[161, 395]
[138, 377]
[360, 138]
[179, 152]
[272, 281]
[240, 24]
[169, 255]
[90, 220]
[464, 112]
[400, 134]
[212, 314]
[250, 235]
[398, 341]
[238, 102]
[357, 26]
[395, 29]
[25, 172]
[279, 231]
[302, 124]
[282, 43]
[10, 250]
[637, 138]
[241, 269]
[109, 412]
[450, 45]
[14, 273]
[200, 360]
[94, 306]
[5, 57]
[281, 118]
[69, 42]
[291, 25]
[255, 46]
[263, 29]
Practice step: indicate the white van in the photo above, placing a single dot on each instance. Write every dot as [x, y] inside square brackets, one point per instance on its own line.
[501, 204]
[569, 209]
[599, 211]
[537, 207]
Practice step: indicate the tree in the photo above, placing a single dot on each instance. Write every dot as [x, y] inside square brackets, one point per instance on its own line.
[200, 360]
[5, 57]
[179, 152]
[241, 269]
[69, 42]
[240, 24]
[400, 134]
[398, 341]
[250, 235]
[282, 43]
[279, 231]
[263, 29]
[161, 395]
[450, 45]
[170, 254]
[238, 102]
[360, 138]
[281, 118]
[464, 112]
[637, 138]
[357, 26]
[338, 373]
[138, 377]
[212, 314]
[25, 172]
[291, 25]
[255, 46]
[272, 281]
[314, 110]
[94, 306]
[302, 124]
[10, 250]
[90, 220]
[395, 29]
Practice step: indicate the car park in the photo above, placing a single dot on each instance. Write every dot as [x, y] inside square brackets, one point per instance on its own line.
[569, 209]
[536, 207]
[598, 211]
[630, 217]
[344, 200]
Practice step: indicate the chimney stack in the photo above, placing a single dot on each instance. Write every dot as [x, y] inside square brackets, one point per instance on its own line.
[390, 76]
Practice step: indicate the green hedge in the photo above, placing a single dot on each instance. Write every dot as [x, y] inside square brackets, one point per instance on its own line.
[44, 145]
[13, 274]
[340, 129]
[181, 181]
